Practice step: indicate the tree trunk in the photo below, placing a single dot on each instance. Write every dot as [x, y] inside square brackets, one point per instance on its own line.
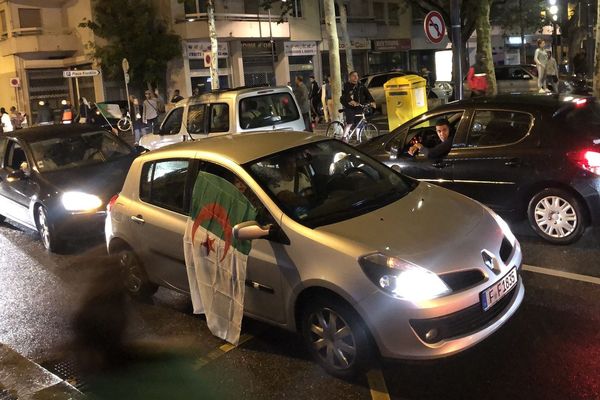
[334, 56]
[597, 55]
[484, 43]
[345, 36]
[214, 46]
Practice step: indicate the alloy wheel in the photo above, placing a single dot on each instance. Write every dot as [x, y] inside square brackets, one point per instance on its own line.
[133, 277]
[332, 339]
[43, 227]
[555, 216]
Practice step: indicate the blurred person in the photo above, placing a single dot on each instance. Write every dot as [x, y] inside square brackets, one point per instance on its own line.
[301, 93]
[16, 118]
[44, 114]
[552, 72]
[5, 121]
[84, 111]
[329, 100]
[176, 97]
[439, 150]
[580, 63]
[314, 97]
[541, 59]
[136, 118]
[150, 111]
[67, 112]
[477, 78]
[354, 96]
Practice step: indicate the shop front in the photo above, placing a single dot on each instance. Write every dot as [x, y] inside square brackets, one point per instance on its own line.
[259, 60]
[301, 59]
[199, 73]
[360, 49]
[389, 54]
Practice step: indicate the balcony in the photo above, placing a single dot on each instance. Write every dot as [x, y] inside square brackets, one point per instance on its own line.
[33, 40]
[238, 26]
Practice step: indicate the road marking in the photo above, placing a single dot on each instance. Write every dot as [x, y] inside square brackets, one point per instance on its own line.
[377, 385]
[562, 274]
[216, 353]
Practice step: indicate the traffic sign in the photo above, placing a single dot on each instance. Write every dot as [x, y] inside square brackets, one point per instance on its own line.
[80, 73]
[207, 59]
[434, 26]
[15, 82]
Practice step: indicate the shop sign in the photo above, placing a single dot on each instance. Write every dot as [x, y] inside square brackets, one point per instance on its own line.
[256, 47]
[392, 45]
[300, 48]
[80, 73]
[196, 50]
[15, 82]
[355, 44]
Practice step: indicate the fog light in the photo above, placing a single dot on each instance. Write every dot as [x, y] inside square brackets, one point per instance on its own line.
[431, 335]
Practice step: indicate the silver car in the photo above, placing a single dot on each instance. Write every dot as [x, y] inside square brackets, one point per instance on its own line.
[357, 257]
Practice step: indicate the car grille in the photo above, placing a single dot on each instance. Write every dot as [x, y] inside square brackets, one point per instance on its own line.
[506, 250]
[461, 322]
[462, 279]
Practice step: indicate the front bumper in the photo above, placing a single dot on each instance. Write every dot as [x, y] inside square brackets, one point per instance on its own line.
[80, 226]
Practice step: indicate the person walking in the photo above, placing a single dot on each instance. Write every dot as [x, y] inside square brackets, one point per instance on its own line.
[16, 118]
[314, 97]
[541, 59]
[136, 118]
[7, 125]
[477, 78]
[329, 100]
[301, 94]
[552, 73]
[149, 112]
[44, 115]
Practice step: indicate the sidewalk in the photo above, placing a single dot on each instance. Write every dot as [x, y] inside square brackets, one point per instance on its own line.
[21, 378]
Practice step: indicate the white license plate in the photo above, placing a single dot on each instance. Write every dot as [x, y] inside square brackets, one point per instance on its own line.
[498, 290]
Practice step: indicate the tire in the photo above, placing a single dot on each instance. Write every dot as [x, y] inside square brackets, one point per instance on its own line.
[135, 279]
[47, 232]
[556, 216]
[351, 352]
[368, 132]
[335, 130]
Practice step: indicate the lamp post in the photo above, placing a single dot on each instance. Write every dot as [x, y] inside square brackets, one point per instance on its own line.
[553, 9]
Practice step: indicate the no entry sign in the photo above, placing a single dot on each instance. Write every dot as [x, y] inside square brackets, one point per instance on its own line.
[434, 27]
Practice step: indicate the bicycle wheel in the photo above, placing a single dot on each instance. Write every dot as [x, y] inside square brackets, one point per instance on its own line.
[335, 130]
[368, 132]
[124, 124]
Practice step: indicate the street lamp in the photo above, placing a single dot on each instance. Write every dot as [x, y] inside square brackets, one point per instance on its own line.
[553, 9]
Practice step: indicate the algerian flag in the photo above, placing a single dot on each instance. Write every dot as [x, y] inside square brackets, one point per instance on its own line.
[214, 259]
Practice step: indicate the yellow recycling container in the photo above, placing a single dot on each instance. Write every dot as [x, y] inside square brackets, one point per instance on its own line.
[406, 97]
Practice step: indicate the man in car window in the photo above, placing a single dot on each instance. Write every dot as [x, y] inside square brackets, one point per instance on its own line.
[443, 130]
[291, 183]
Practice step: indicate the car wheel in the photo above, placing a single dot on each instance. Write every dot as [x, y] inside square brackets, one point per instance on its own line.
[46, 231]
[135, 279]
[336, 337]
[557, 216]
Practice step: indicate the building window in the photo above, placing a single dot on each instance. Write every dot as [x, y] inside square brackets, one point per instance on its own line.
[3, 29]
[296, 10]
[30, 18]
[195, 6]
[379, 11]
[393, 13]
[251, 7]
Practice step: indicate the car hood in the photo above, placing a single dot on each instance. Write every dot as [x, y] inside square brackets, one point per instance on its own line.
[103, 179]
[431, 226]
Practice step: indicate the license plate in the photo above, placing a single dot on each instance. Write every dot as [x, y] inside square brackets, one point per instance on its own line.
[498, 290]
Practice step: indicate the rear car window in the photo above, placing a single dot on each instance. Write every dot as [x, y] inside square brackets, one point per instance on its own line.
[219, 118]
[195, 118]
[163, 184]
[267, 110]
[496, 128]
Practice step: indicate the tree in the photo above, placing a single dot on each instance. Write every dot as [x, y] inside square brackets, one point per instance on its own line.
[345, 36]
[484, 43]
[334, 55]
[214, 46]
[132, 30]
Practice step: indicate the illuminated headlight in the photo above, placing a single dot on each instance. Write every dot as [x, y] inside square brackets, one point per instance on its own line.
[79, 201]
[402, 279]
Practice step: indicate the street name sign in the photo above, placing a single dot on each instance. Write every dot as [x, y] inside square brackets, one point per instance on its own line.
[80, 73]
[434, 26]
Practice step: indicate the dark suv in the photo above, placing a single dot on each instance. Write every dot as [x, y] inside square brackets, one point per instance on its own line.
[520, 154]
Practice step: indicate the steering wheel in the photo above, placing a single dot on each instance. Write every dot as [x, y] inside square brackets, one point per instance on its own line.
[357, 170]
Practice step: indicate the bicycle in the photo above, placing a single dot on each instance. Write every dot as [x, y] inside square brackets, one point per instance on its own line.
[124, 124]
[362, 131]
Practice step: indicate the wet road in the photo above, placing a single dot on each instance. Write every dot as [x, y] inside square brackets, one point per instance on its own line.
[549, 350]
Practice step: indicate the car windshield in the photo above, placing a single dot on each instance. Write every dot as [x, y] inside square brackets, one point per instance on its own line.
[267, 110]
[327, 182]
[76, 151]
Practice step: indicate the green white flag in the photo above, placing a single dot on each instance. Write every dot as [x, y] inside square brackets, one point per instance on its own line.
[215, 260]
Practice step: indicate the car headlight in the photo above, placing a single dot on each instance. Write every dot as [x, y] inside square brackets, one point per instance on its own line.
[79, 201]
[401, 278]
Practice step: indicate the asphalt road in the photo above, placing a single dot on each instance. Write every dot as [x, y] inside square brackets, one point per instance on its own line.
[549, 350]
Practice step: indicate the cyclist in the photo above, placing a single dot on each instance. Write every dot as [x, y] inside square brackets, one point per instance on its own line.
[354, 96]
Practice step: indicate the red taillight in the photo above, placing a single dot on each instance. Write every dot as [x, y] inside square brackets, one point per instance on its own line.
[112, 202]
[586, 159]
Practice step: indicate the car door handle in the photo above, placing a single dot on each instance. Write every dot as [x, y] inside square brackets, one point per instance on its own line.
[138, 219]
[513, 162]
[440, 164]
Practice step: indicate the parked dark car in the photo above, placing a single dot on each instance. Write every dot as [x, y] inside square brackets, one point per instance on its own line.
[520, 154]
[58, 179]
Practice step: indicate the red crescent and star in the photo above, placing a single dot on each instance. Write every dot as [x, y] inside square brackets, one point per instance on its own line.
[217, 213]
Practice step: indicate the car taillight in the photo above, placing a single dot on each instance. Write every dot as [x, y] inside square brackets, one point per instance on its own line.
[589, 160]
[112, 202]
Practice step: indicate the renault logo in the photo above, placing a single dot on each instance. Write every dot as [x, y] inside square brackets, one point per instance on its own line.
[490, 261]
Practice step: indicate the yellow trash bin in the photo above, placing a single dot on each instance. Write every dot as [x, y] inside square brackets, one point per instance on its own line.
[406, 97]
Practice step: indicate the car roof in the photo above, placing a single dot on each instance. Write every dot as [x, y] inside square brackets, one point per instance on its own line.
[36, 133]
[518, 101]
[235, 92]
[243, 148]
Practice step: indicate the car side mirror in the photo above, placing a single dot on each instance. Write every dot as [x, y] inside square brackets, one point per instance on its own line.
[394, 152]
[250, 230]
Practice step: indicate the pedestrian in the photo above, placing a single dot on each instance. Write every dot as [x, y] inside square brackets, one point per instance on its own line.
[67, 112]
[477, 78]
[136, 118]
[314, 97]
[329, 99]
[579, 63]
[149, 112]
[324, 101]
[552, 72]
[541, 59]
[426, 74]
[84, 111]
[176, 97]
[16, 118]
[301, 94]
[44, 114]
[7, 125]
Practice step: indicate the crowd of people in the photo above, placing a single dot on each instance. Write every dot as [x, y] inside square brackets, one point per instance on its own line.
[10, 121]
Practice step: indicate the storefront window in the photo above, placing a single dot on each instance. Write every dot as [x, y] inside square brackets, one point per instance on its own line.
[301, 66]
[386, 61]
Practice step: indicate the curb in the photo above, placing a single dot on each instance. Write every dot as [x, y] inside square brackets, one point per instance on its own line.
[21, 378]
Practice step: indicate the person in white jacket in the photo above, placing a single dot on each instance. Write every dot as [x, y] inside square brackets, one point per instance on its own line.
[541, 59]
[7, 125]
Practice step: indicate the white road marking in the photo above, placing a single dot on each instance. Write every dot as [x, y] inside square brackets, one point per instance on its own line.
[562, 274]
[377, 385]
